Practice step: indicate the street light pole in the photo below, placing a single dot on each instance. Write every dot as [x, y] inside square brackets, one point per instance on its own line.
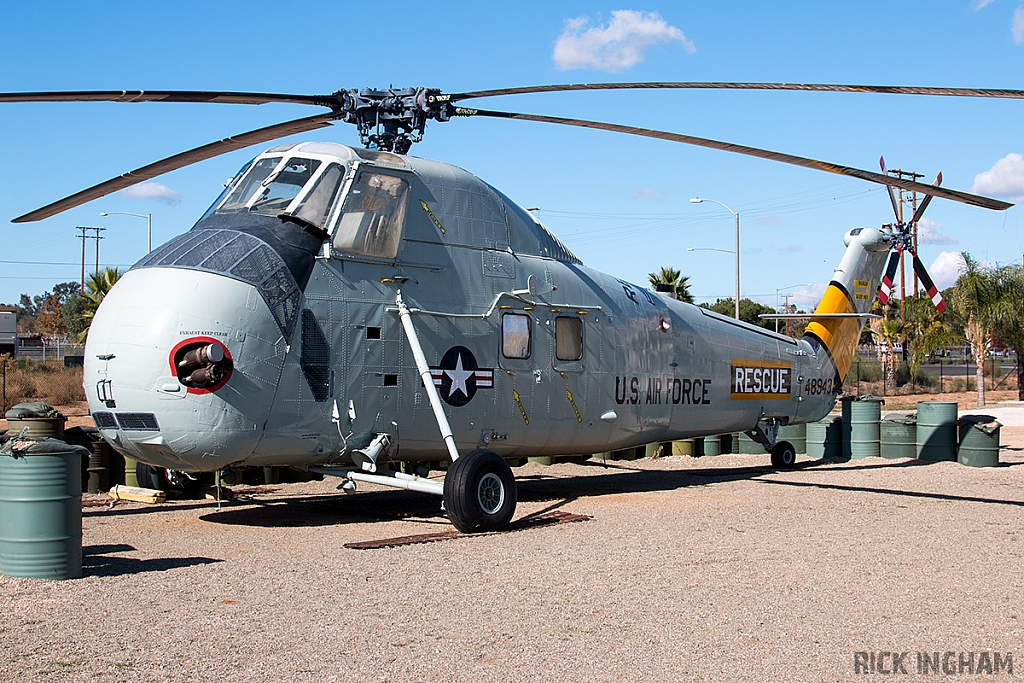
[147, 216]
[698, 200]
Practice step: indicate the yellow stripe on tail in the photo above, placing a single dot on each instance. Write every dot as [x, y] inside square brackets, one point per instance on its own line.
[839, 335]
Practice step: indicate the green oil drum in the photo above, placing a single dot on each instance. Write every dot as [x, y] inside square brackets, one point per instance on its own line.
[41, 511]
[936, 431]
[730, 443]
[712, 445]
[131, 477]
[651, 449]
[796, 435]
[825, 439]
[686, 447]
[38, 427]
[898, 436]
[861, 438]
[748, 446]
[543, 460]
[979, 441]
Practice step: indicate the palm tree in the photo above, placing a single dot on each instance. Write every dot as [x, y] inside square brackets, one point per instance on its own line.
[96, 287]
[986, 302]
[673, 278]
[890, 332]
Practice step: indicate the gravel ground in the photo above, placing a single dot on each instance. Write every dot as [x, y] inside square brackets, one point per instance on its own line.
[691, 569]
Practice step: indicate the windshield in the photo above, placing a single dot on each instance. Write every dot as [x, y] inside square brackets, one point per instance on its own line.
[240, 195]
[278, 190]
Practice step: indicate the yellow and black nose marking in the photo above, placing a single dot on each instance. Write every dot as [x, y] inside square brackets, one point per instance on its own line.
[839, 336]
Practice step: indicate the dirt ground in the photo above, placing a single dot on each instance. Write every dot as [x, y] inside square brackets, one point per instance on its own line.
[688, 569]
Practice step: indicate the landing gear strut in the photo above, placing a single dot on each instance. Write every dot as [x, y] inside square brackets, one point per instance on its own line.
[480, 492]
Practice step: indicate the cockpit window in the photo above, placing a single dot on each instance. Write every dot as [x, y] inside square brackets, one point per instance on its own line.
[281, 187]
[254, 179]
[316, 206]
[374, 215]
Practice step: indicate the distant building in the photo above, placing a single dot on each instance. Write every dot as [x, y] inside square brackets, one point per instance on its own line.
[9, 330]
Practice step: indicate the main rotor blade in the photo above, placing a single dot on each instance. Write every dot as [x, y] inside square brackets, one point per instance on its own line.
[711, 85]
[177, 161]
[955, 195]
[165, 96]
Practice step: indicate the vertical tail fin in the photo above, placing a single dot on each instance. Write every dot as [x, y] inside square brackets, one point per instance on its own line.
[850, 293]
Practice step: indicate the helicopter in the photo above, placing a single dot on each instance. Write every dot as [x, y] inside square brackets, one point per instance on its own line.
[364, 313]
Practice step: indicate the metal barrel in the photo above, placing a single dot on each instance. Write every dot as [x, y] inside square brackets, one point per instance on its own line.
[936, 431]
[712, 445]
[38, 427]
[99, 467]
[748, 446]
[41, 515]
[796, 435]
[730, 443]
[131, 477]
[685, 447]
[861, 438]
[898, 436]
[825, 438]
[979, 441]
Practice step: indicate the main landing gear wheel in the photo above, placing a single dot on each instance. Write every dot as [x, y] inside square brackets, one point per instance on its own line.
[783, 456]
[480, 492]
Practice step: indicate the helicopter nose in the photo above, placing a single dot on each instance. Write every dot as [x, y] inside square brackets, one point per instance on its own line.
[182, 366]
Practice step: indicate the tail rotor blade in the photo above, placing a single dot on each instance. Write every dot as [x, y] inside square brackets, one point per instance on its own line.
[929, 286]
[892, 195]
[927, 200]
[890, 273]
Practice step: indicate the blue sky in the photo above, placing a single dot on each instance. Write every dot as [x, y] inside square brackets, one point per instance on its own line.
[621, 203]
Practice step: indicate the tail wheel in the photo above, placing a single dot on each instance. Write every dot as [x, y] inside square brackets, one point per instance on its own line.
[783, 455]
[480, 492]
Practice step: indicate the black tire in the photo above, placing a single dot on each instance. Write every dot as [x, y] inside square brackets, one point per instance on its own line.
[150, 477]
[156, 478]
[480, 492]
[783, 456]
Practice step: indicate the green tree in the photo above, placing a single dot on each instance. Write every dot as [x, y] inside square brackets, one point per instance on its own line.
[96, 288]
[673, 278]
[1010, 325]
[985, 300]
[749, 311]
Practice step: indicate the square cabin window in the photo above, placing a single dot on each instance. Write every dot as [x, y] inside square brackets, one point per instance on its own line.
[568, 338]
[515, 335]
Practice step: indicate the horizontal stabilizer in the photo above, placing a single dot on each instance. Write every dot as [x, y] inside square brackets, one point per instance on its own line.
[794, 316]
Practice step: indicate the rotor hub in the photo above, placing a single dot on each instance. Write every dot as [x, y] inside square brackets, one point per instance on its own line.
[391, 120]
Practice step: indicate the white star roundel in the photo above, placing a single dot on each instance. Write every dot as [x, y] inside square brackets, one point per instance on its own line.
[458, 376]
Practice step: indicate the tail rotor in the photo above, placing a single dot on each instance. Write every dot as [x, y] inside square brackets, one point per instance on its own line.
[904, 242]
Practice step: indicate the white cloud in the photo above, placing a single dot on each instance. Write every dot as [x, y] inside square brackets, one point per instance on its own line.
[768, 220]
[930, 232]
[806, 298]
[978, 4]
[616, 46]
[1017, 25]
[1004, 179]
[152, 191]
[946, 268]
[647, 193]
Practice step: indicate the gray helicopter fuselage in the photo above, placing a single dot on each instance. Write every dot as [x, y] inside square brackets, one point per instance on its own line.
[532, 352]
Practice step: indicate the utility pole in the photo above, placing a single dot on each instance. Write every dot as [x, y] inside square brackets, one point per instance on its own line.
[96, 236]
[83, 228]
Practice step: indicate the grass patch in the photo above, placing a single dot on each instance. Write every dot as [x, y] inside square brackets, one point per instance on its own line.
[46, 381]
